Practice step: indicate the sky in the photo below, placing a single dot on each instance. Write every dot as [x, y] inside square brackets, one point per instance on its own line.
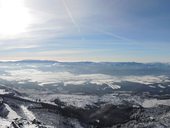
[85, 30]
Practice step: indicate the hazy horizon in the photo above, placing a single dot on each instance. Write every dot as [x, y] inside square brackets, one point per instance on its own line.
[84, 64]
[85, 61]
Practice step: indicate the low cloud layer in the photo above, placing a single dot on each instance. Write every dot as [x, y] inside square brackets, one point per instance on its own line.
[34, 75]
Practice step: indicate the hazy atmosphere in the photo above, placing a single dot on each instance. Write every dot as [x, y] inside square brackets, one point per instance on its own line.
[85, 30]
[84, 64]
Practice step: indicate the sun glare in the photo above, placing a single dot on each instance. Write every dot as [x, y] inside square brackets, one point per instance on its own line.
[14, 17]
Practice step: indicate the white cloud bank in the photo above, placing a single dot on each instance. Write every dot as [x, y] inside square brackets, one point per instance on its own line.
[34, 75]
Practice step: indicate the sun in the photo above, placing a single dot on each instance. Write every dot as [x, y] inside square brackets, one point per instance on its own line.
[14, 17]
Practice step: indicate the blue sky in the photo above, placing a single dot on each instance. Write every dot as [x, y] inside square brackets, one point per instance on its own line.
[91, 30]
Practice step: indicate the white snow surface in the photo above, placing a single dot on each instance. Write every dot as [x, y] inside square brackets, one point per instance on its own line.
[2, 91]
[161, 86]
[12, 114]
[82, 100]
[29, 115]
[4, 123]
[148, 103]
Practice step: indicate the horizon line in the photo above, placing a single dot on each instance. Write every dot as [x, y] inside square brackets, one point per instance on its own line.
[83, 61]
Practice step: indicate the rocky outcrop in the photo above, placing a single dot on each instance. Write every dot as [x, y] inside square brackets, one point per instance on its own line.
[3, 110]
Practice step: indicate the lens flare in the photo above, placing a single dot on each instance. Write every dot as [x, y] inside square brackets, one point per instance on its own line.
[14, 17]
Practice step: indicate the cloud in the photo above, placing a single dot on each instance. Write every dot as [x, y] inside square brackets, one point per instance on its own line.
[34, 75]
[130, 27]
[71, 15]
[14, 47]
